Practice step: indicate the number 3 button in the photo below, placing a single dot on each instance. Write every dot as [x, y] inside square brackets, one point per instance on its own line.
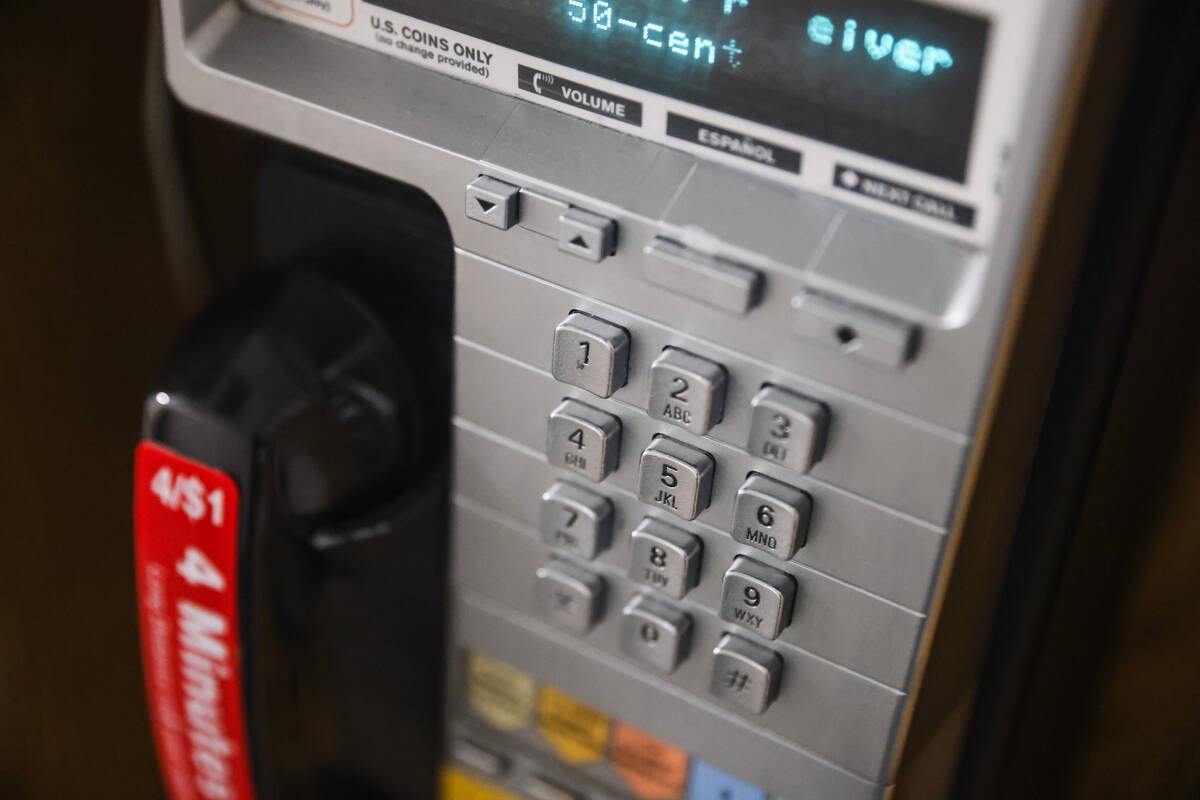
[787, 428]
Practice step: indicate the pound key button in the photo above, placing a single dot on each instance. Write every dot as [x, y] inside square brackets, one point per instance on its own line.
[745, 674]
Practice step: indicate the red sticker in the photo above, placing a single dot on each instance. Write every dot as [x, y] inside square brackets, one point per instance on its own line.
[185, 525]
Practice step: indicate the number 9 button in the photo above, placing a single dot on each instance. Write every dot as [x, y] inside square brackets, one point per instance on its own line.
[757, 597]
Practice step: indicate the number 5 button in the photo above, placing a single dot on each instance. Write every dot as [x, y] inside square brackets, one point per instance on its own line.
[675, 477]
[591, 354]
[787, 428]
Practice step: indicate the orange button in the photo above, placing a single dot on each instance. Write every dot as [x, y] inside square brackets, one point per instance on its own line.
[653, 769]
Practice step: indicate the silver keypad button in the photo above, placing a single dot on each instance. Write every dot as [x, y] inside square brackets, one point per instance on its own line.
[587, 235]
[493, 202]
[757, 597]
[745, 674]
[771, 516]
[569, 596]
[665, 557]
[654, 633]
[675, 477]
[583, 439]
[576, 520]
[787, 428]
[687, 390]
[591, 354]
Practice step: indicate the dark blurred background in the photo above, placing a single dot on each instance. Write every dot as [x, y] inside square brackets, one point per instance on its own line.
[86, 313]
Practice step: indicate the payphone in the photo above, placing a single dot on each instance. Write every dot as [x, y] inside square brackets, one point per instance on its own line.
[668, 504]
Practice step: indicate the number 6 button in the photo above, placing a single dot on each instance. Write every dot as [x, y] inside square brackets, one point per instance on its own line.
[675, 477]
[771, 516]
[787, 428]
[591, 354]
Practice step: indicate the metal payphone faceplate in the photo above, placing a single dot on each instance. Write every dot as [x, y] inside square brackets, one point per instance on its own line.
[849, 393]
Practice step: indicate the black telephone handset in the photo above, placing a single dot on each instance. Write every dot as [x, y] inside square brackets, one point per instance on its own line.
[319, 399]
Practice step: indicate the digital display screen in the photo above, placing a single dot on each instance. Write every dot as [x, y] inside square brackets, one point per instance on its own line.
[894, 79]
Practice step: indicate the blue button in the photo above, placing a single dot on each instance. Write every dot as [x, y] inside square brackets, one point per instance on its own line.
[709, 783]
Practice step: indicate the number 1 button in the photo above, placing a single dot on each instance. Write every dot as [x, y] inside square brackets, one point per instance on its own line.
[591, 354]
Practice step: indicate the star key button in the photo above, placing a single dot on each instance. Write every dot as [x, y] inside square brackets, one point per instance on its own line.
[569, 596]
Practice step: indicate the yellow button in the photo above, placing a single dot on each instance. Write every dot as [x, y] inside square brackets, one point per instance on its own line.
[458, 785]
[504, 696]
[653, 769]
[578, 733]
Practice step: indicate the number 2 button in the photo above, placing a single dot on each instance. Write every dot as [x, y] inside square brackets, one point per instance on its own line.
[687, 390]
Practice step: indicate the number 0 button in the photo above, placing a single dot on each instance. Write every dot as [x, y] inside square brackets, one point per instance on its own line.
[583, 439]
[675, 477]
[787, 428]
[591, 354]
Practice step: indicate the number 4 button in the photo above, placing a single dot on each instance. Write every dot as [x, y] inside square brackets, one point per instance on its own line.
[787, 428]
